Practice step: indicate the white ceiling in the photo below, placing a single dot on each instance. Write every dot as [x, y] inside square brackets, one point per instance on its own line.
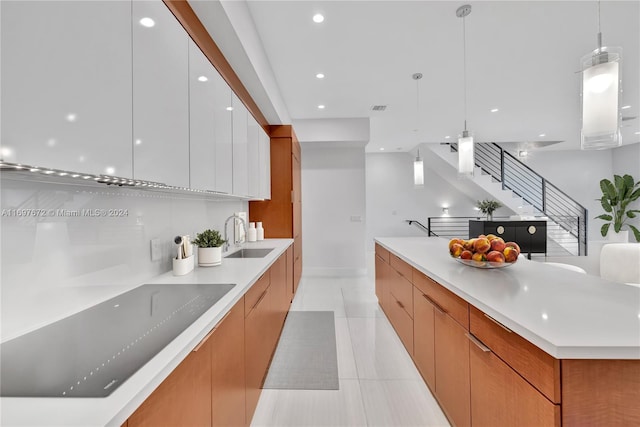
[522, 58]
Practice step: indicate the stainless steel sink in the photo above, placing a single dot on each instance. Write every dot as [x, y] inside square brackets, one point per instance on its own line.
[250, 253]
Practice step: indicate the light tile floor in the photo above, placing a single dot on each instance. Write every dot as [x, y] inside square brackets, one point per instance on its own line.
[379, 384]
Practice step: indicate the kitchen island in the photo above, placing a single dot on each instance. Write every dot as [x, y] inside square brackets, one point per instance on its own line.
[529, 344]
[250, 276]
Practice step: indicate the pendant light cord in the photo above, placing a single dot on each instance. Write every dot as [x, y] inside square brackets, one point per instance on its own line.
[599, 30]
[464, 68]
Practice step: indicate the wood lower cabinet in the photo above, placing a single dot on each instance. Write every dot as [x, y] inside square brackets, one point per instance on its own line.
[228, 370]
[398, 306]
[281, 297]
[501, 397]
[424, 330]
[291, 286]
[452, 369]
[184, 398]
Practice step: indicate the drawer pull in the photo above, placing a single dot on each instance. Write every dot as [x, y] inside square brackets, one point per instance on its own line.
[497, 323]
[204, 340]
[435, 305]
[479, 344]
[400, 304]
[259, 299]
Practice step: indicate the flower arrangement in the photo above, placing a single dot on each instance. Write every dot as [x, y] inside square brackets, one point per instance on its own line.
[488, 206]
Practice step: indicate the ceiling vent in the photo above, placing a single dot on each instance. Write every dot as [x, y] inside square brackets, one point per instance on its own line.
[379, 107]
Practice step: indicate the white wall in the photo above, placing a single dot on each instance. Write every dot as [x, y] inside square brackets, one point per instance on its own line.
[333, 191]
[392, 197]
[577, 173]
[65, 260]
[626, 160]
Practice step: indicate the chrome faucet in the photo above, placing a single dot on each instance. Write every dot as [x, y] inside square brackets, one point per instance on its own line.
[236, 241]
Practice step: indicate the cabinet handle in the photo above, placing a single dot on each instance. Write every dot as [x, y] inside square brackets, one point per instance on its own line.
[222, 320]
[400, 304]
[435, 305]
[204, 340]
[259, 299]
[477, 342]
[497, 323]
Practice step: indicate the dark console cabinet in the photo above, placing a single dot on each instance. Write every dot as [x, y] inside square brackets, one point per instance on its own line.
[531, 236]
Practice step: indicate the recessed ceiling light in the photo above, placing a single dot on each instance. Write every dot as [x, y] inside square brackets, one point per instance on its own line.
[81, 159]
[71, 117]
[637, 133]
[447, 137]
[318, 18]
[110, 170]
[321, 107]
[51, 142]
[147, 22]
[203, 79]
[494, 110]
[320, 76]
[381, 148]
[229, 108]
[138, 141]
[626, 107]
[542, 135]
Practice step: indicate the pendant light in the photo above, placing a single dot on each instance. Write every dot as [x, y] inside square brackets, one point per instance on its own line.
[418, 165]
[466, 162]
[601, 96]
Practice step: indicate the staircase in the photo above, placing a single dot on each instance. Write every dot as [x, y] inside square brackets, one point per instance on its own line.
[522, 190]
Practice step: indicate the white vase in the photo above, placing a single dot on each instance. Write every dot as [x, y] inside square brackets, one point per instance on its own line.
[620, 237]
[208, 257]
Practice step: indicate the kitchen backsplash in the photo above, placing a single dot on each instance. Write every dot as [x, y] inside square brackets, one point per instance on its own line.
[69, 246]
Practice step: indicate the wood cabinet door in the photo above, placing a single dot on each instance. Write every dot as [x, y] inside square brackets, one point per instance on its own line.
[228, 370]
[279, 287]
[380, 275]
[184, 398]
[257, 343]
[424, 337]
[290, 287]
[452, 369]
[501, 397]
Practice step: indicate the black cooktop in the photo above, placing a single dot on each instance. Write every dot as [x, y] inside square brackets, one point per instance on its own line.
[91, 353]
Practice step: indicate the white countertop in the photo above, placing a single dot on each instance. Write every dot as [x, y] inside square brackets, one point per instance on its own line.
[567, 314]
[116, 408]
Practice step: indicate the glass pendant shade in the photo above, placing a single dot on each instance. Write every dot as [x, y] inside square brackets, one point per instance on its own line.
[418, 172]
[466, 161]
[600, 99]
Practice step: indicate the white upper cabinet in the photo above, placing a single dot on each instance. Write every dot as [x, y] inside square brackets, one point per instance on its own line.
[66, 85]
[265, 164]
[222, 117]
[160, 95]
[240, 140]
[203, 79]
[253, 157]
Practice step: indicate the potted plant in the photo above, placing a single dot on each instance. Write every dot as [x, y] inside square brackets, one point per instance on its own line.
[487, 207]
[209, 248]
[615, 200]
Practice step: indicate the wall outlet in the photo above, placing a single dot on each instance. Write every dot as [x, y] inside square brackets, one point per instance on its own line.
[156, 249]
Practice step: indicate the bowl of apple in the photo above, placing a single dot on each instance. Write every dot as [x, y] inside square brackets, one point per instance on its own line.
[485, 251]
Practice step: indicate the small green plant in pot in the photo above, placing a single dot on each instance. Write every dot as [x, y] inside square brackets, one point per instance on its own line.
[487, 207]
[209, 248]
[617, 196]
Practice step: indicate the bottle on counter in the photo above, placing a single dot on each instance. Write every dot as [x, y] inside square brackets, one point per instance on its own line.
[252, 232]
[259, 231]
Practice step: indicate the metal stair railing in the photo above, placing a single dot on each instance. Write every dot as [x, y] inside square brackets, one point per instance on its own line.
[421, 226]
[544, 196]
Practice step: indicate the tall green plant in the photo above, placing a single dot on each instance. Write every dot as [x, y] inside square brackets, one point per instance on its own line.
[616, 198]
